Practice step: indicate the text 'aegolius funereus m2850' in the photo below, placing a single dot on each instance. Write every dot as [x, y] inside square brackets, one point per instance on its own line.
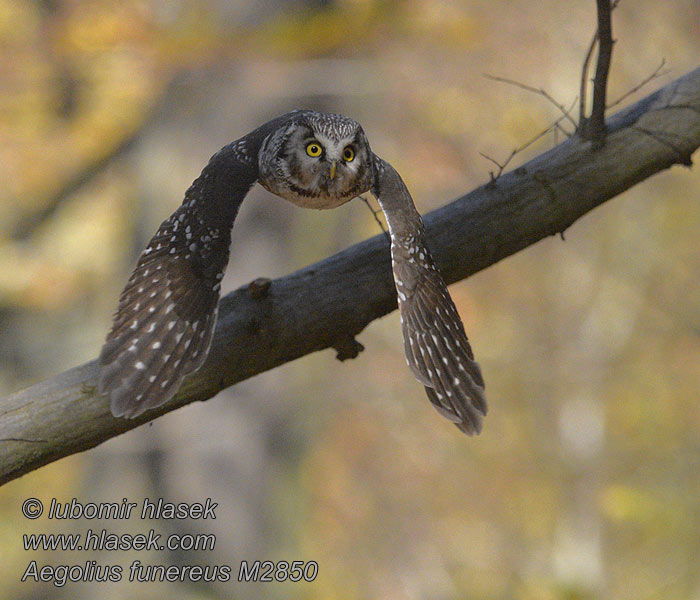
[164, 324]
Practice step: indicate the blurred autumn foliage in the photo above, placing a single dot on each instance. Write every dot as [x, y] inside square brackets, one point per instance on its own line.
[585, 481]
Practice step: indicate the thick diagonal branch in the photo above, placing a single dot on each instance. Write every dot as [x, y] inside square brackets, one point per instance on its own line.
[337, 298]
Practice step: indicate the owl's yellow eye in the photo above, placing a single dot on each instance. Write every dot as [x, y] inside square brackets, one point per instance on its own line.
[314, 149]
[348, 154]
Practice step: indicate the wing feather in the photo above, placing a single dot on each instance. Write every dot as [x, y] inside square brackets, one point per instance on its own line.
[165, 320]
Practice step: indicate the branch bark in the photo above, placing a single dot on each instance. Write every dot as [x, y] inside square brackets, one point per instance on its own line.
[325, 304]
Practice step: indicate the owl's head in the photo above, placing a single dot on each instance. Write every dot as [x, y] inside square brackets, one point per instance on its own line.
[316, 160]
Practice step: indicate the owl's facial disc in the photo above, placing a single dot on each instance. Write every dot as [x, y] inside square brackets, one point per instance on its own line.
[335, 156]
[321, 161]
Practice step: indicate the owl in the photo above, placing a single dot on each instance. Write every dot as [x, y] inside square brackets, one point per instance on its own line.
[164, 323]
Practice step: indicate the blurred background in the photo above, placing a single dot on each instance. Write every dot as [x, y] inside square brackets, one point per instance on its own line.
[584, 483]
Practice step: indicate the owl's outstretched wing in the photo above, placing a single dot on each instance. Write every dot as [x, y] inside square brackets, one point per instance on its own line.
[436, 346]
[165, 320]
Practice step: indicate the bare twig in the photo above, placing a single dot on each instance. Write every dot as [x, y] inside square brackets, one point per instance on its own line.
[375, 212]
[594, 127]
[539, 91]
[499, 165]
[657, 73]
[584, 74]
[559, 127]
[584, 80]
[556, 126]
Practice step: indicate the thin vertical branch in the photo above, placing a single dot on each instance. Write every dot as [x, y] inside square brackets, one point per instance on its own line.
[584, 81]
[583, 96]
[595, 129]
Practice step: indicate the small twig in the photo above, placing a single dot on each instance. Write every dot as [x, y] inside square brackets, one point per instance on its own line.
[539, 91]
[584, 80]
[584, 74]
[541, 134]
[594, 127]
[559, 127]
[554, 126]
[501, 167]
[657, 73]
[493, 160]
[376, 218]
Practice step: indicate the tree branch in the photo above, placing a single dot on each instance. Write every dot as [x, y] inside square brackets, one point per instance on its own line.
[594, 127]
[586, 64]
[326, 304]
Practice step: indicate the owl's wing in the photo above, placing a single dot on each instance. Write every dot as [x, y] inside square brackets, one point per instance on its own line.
[435, 343]
[165, 320]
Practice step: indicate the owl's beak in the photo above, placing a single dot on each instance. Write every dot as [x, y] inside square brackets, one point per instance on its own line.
[334, 164]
